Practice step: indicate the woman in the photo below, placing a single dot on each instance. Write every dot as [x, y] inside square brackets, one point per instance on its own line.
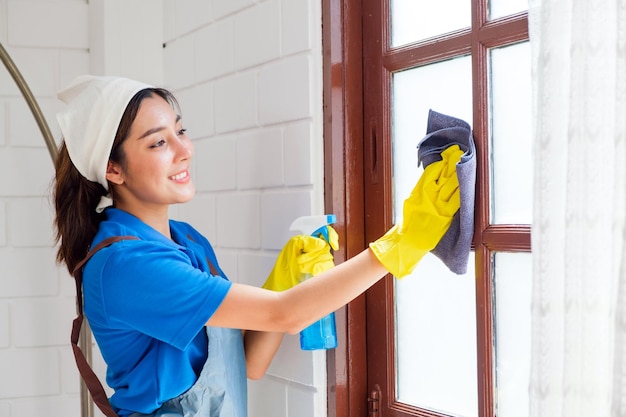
[162, 311]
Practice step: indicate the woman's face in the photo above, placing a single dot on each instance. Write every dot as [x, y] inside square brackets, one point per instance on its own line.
[155, 172]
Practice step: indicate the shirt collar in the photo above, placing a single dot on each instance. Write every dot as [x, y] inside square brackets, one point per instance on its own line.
[137, 226]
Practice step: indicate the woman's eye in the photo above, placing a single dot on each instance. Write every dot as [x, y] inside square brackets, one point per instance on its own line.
[182, 132]
[158, 144]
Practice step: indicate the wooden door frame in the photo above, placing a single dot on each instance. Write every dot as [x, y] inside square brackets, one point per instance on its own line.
[343, 188]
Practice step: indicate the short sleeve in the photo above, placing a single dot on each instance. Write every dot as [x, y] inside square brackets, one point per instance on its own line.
[156, 290]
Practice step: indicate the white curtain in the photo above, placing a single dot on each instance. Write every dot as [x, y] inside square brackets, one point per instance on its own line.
[579, 272]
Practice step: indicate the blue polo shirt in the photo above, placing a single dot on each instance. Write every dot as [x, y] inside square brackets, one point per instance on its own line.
[147, 302]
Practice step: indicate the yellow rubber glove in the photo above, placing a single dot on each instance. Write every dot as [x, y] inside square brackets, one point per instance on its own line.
[302, 255]
[427, 215]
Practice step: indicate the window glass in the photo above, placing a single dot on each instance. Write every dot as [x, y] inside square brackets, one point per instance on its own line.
[510, 134]
[500, 8]
[413, 21]
[436, 339]
[513, 282]
[445, 87]
[435, 309]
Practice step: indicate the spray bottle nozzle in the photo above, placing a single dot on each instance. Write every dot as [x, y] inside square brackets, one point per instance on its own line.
[314, 225]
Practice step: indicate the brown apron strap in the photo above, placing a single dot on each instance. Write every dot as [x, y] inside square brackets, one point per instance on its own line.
[212, 269]
[91, 380]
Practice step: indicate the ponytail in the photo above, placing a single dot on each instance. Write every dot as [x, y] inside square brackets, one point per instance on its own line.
[76, 219]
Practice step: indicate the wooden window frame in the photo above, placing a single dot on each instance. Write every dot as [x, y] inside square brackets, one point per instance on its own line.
[353, 146]
[343, 187]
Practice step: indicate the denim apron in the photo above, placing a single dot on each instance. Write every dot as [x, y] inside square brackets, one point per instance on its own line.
[221, 389]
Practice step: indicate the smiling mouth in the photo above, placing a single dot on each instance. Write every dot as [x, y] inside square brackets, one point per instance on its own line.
[181, 176]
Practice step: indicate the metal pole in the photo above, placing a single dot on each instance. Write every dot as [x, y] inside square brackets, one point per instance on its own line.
[86, 405]
[30, 99]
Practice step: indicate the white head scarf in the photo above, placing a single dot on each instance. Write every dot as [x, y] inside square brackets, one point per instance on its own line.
[95, 106]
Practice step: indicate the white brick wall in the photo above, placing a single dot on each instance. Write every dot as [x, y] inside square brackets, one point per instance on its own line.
[248, 77]
[38, 375]
[254, 83]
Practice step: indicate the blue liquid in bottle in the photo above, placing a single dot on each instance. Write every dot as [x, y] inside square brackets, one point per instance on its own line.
[320, 335]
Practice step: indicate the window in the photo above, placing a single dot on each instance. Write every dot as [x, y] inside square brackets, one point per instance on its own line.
[434, 343]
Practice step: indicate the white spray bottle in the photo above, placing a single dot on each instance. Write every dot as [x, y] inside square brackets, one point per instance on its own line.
[323, 333]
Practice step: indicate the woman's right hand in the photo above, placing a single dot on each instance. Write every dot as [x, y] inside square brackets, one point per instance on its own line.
[427, 215]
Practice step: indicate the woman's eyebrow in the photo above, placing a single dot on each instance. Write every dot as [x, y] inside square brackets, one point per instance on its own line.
[157, 129]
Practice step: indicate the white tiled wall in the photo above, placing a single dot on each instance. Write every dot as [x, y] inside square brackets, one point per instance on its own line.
[251, 97]
[37, 374]
[248, 76]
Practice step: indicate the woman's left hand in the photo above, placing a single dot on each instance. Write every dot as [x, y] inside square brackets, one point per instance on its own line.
[302, 255]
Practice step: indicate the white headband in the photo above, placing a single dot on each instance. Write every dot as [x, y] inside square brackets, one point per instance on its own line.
[95, 106]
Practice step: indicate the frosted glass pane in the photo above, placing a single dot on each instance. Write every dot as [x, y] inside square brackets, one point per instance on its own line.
[513, 286]
[511, 145]
[500, 8]
[435, 309]
[413, 21]
[445, 87]
[436, 339]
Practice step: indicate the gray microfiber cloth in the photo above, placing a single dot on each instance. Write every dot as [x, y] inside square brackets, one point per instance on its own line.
[442, 132]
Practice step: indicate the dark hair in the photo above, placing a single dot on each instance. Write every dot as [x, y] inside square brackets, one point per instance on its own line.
[76, 198]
